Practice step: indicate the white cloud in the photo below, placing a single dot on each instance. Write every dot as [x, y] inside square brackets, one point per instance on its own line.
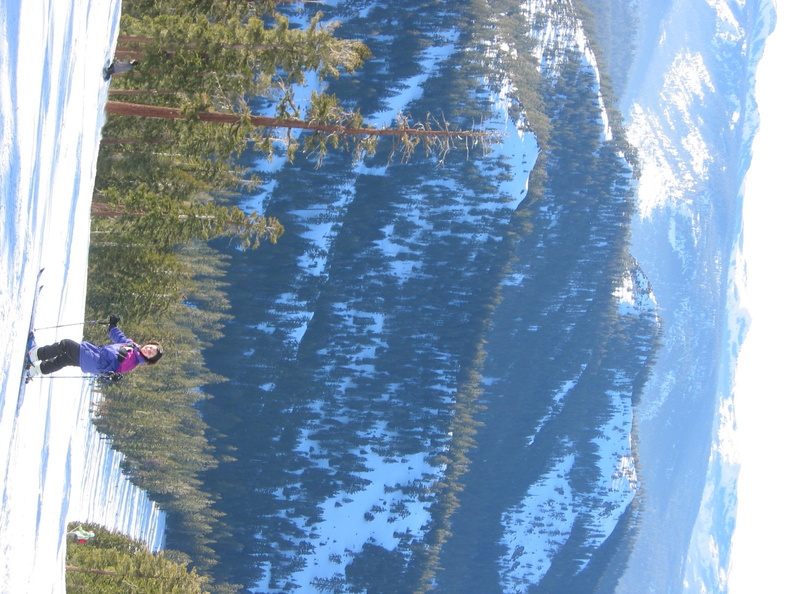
[762, 403]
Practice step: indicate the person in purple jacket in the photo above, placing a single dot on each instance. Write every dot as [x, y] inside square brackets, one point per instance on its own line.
[121, 356]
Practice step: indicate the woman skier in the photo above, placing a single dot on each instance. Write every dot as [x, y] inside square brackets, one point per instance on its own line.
[121, 356]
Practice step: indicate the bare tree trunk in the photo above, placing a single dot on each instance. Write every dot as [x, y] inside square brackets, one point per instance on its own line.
[141, 92]
[96, 571]
[173, 113]
[133, 140]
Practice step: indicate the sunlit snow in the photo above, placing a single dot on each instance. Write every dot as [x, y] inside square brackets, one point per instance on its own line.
[55, 467]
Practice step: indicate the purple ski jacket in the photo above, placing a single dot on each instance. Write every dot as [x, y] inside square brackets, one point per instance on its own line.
[104, 359]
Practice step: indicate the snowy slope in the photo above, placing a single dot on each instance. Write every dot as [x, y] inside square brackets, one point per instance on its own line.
[55, 468]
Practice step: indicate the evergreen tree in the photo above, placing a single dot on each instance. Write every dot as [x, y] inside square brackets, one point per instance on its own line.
[111, 563]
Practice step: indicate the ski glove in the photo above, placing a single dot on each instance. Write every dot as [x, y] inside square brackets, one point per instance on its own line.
[114, 319]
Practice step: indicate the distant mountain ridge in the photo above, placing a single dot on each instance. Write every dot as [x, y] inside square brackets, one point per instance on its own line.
[692, 114]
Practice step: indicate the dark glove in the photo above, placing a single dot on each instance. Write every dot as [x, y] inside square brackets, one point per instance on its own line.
[114, 319]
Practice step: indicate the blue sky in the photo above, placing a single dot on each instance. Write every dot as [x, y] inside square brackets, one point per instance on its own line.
[762, 394]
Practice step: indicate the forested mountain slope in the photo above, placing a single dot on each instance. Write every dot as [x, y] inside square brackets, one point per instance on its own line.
[435, 367]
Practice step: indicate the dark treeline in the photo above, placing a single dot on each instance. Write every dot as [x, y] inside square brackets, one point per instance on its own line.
[151, 416]
[611, 26]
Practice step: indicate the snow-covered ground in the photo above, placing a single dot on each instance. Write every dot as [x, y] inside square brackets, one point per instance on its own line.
[55, 467]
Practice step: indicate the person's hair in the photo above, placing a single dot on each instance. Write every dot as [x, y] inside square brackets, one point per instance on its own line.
[155, 358]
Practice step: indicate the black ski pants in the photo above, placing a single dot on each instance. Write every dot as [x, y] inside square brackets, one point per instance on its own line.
[59, 355]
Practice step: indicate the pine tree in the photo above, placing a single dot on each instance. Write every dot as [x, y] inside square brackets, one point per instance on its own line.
[111, 563]
[199, 69]
[167, 222]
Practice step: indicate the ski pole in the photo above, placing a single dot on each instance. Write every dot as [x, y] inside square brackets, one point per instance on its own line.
[107, 377]
[91, 378]
[75, 324]
[54, 377]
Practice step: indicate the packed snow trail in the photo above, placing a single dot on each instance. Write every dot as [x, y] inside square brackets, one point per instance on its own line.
[55, 467]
